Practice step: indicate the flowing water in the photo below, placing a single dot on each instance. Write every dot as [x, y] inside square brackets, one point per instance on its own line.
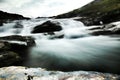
[76, 51]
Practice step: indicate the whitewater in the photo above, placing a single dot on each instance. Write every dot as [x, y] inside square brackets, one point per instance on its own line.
[77, 50]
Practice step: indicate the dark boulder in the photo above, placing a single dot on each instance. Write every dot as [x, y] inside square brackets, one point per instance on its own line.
[49, 26]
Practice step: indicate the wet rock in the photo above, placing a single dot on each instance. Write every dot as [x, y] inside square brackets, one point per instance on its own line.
[26, 39]
[116, 29]
[19, 44]
[108, 29]
[49, 26]
[101, 32]
[14, 49]
[8, 58]
[108, 26]
[4, 46]
[95, 28]
[23, 73]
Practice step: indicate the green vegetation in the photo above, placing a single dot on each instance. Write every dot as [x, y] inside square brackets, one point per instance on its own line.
[97, 10]
[99, 7]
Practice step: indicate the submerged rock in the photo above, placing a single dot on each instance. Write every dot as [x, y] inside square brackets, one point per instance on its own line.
[23, 73]
[46, 27]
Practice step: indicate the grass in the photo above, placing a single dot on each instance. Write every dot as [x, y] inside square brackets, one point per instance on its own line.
[95, 8]
[96, 11]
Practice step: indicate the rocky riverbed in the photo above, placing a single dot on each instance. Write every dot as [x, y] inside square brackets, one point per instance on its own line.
[24, 73]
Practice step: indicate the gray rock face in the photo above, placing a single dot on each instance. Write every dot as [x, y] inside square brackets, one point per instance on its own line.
[46, 27]
[23, 73]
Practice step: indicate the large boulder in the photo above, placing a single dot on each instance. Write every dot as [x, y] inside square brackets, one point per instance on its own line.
[49, 26]
[24, 73]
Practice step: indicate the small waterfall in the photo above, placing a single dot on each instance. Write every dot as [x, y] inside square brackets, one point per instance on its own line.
[76, 51]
